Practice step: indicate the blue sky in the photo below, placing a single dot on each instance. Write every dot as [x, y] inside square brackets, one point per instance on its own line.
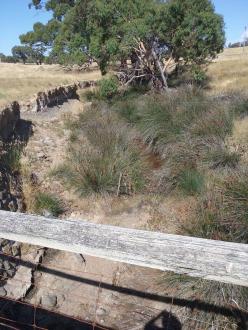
[16, 18]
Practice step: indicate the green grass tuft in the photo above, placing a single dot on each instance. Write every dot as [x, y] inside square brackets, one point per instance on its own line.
[10, 156]
[223, 210]
[45, 202]
[191, 182]
[222, 157]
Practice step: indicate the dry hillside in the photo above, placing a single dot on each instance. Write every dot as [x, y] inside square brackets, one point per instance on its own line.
[20, 82]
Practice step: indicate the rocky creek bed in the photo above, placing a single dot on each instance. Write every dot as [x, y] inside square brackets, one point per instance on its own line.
[14, 135]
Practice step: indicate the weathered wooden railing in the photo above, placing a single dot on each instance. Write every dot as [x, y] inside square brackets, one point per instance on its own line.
[208, 259]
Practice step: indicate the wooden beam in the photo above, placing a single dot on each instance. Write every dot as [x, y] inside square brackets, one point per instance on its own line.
[207, 259]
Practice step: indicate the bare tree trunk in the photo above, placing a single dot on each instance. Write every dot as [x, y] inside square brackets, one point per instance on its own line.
[160, 68]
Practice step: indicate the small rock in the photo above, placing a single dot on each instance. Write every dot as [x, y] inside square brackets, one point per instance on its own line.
[15, 251]
[4, 276]
[12, 264]
[6, 265]
[11, 272]
[47, 214]
[101, 311]
[17, 244]
[7, 249]
[34, 179]
[3, 292]
[49, 301]
[41, 155]
[20, 204]
[12, 206]
[3, 241]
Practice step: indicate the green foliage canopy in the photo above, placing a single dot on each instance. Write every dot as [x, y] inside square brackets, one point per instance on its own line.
[189, 31]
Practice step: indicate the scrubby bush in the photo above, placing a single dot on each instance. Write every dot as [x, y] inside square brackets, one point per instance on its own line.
[108, 88]
[103, 153]
[199, 76]
[47, 203]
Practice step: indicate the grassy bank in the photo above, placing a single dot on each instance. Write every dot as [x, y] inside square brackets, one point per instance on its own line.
[186, 133]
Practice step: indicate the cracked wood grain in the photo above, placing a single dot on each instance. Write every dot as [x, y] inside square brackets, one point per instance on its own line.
[212, 260]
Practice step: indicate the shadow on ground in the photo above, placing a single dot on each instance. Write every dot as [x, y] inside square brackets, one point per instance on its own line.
[23, 131]
[22, 316]
[164, 320]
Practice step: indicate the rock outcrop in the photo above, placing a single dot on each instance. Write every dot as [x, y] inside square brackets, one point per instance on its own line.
[50, 98]
[54, 97]
[9, 118]
[10, 115]
[11, 194]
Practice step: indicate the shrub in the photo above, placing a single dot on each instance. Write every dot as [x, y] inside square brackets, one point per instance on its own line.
[102, 153]
[108, 87]
[222, 157]
[10, 156]
[89, 95]
[45, 202]
[191, 182]
[199, 76]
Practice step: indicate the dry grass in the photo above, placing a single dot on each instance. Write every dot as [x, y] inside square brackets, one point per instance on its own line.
[230, 71]
[20, 82]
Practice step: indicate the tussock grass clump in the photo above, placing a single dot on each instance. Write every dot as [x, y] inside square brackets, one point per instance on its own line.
[213, 293]
[10, 156]
[240, 106]
[217, 122]
[47, 203]
[127, 108]
[222, 215]
[191, 182]
[222, 157]
[166, 117]
[223, 211]
[183, 126]
[100, 154]
[129, 103]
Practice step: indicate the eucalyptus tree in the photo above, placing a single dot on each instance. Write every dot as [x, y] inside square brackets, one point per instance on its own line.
[154, 36]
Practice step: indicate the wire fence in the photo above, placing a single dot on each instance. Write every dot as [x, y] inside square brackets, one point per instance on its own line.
[106, 300]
